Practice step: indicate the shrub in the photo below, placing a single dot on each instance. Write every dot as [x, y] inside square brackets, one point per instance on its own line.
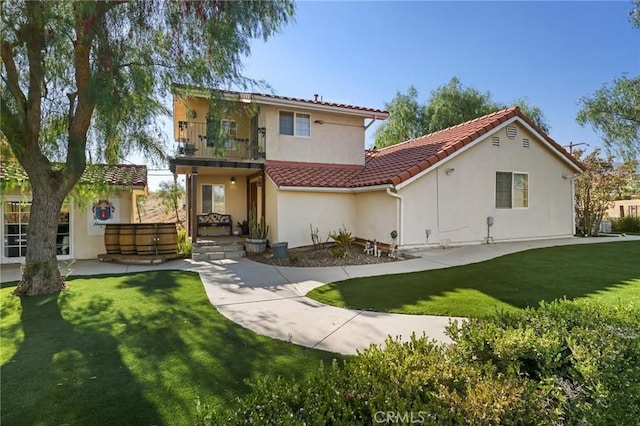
[342, 240]
[584, 357]
[626, 224]
[184, 245]
[258, 228]
[567, 362]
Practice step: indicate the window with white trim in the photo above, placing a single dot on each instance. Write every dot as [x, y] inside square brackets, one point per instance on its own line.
[512, 190]
[16, 218]
[295, 124]
[212, 198]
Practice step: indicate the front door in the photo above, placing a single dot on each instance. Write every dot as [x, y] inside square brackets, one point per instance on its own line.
[253, 198]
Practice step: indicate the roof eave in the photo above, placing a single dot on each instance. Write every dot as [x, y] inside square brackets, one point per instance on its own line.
[349, 190]
[366, 113]
[275, 101]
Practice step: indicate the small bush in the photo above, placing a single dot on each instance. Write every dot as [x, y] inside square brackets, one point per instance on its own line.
[342, 241]
[184, 245]
[626, 224]
[564, 363]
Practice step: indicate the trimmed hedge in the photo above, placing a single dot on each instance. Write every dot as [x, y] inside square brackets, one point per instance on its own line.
[626, 224]
[563, 363]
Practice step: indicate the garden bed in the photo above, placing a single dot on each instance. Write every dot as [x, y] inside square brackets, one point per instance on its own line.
[309, 256]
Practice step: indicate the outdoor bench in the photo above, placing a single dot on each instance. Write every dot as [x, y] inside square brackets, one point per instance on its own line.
[215, 220]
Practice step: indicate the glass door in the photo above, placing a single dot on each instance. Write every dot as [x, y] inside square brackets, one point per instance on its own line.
[17, 215]
[16, 224]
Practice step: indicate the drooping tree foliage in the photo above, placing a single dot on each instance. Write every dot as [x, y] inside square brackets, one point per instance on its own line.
[614, 109]
[447, 106]
[595, 190]
[453, 104]
[406, 119]
[90, 75]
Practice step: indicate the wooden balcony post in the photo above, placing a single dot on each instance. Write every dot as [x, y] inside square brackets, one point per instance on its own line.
[193, 222]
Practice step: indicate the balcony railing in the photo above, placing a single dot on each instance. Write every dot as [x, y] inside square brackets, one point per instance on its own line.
[200, 140]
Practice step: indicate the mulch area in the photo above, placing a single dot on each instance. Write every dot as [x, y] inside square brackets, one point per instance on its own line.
[310, 256]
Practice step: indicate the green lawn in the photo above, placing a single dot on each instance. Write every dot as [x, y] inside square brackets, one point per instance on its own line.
[132, 349]
[607, 272]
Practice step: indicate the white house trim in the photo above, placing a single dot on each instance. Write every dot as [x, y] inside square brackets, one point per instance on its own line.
[333, 189]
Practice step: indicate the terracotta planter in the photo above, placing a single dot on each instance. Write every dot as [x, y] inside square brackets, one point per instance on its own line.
[255, 245]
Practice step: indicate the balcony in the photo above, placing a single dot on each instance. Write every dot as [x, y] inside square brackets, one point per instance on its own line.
[226, 142]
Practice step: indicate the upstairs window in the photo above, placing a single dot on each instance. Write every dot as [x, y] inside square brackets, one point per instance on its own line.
[229, 129]
[512, 190]
[295, 124]
[303, 125]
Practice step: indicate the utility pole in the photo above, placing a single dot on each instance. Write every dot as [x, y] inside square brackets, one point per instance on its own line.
[572, 144]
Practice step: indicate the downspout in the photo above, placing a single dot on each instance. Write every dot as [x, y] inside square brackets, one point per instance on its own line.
[400, 216]
[373, 120]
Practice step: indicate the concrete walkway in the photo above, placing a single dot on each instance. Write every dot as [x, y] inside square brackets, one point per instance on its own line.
[270, 300]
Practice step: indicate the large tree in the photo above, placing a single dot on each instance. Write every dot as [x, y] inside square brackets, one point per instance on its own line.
[406, 119]
[453, 104]
[81, 74]
[596, 189]
[614, 111]
[447, 106]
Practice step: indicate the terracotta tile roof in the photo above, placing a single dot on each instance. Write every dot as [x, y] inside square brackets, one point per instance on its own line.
[397, 163]
[314, 175]
[117, 174]
[330, 104]
[249, 97]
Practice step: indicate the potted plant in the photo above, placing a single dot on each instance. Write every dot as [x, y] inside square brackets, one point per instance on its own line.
[258, 232]
[244, 227]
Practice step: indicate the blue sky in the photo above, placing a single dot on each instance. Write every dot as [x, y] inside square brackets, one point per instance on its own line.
[363, 52]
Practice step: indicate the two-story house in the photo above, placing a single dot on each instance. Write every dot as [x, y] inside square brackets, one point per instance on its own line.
[225, 147]
[303, 164]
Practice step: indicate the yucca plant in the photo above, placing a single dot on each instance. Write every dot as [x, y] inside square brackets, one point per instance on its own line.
[342, 241]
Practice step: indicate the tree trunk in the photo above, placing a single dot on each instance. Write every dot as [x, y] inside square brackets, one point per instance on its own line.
[41, 274]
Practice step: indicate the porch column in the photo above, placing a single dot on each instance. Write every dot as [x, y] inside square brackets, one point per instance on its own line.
[193, 220]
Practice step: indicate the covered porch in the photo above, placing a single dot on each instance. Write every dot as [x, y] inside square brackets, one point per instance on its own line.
[220, 194]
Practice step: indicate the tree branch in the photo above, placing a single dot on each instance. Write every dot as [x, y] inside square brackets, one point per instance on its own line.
[13, 76]
[35, 45]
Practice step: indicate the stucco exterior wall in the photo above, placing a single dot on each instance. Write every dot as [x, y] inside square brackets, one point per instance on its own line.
[271, 213]
[86, 246]
[340, 140]
[376, 216]
[454, 206]
[326, 211]
[631, 208]
[235, 194]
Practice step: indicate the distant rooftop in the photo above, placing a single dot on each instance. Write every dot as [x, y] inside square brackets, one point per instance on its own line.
[121, 175]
